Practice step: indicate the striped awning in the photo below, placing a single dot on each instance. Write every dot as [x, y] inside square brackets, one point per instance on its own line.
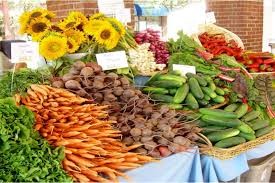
[145, 10]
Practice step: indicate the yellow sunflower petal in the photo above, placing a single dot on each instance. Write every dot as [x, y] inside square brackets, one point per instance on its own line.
[37, 12]
[93, 25]
[77, 16]
[97, 16]
[76, 35]
[72, 45]
[23, 21]
[53, 47]
[38, 27]
[117, 25]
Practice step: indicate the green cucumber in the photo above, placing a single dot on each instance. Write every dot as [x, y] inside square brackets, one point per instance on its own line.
[218, 113]
[208, 79]
[181, 93]
[208, 129]
[200, 123]
[241, 110]
[152, 79]
[219, 99]
[155, 90]
[166, 84]
[263, 131]
[217, 136]
[251, 116]
[201, 80]
[221, 121]
[212, 86]
[245, 128]
[195, 88]
[226, 91]
[175, 72]
[162, 98]
[206, 97]
[258, 124]
[231, 107]
[203, 102]
[247, 136]
[175, 106]
[173, 91]
[193, 116]
[171, 77]
[209, 92]
[230, 142]
[191, 101]
[219, 91]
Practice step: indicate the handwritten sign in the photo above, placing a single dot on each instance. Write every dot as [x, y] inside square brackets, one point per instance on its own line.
[210, 17]
[112, 60]
[184, 69]
[109, 7]
[24, 52]
[123, 15]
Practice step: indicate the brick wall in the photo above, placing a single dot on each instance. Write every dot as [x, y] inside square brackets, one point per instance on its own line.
[62, 7]
[243, 17]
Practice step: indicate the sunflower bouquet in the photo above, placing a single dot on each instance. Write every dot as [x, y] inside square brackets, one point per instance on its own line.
[76, 33]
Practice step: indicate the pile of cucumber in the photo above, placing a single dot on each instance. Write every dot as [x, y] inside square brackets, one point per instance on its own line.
[233, 125]
[191, 92]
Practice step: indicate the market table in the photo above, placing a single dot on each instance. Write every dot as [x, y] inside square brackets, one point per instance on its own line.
[192, 167]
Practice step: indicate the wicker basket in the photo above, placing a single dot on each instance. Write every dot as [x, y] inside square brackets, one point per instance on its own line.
[236, 150]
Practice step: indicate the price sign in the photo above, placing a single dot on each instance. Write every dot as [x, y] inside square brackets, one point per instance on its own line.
[24, 52]
[123, 15]
[109, 7]
[210, 17]
[112, 60]
[184, 69]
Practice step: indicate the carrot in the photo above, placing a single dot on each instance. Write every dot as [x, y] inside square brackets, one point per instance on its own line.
[67, 142]
[39, 89]
[80, 128]
[93, 177]
[79, 160]
[87, 155]
[32, 94]
[133, 147]
[71, 134]
[82, 178]
[70, 164]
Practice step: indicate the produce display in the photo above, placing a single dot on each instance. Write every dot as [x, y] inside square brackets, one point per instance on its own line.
[191, 92]
[161, 131]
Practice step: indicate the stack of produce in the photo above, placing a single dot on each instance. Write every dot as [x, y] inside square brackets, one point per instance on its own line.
[259, 61]
[161, 131]
[217, 44]
[233, 125]
[93, 151]
[143, 60]
[195, 91]
[157, 46]
[25, 155]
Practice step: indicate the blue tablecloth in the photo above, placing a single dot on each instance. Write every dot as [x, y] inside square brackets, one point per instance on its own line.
[192, 167]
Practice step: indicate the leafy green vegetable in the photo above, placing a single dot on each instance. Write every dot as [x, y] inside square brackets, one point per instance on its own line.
[18, 82]
[25, 155]
[226, 60]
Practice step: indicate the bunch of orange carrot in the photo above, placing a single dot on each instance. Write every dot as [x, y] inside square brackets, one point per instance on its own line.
[93, 151]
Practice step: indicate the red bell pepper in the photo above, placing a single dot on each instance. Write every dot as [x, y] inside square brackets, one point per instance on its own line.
[263, 67]
[259, 60]
[255, 65]
[269, 61]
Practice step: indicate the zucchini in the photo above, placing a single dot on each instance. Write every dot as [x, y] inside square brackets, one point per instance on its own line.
[212, 86]
[241, 110]
[251, 116]
[217, 136]
[218, 113]
[219, 91]
[195, 88]
[162, 98]
[181, 93]
[258, 124]
[191, 101]
[171, 77]
[263, 131]
[209, 92]
[208, 129]
[219, 99]
[221, 121]
[203, 102]
[201, 80]
[173, 91]
[231, 107]
[245, 128]
[230, 142]
[155, 90]
[247, 136]
[175, 106]
[166, 84]
[206, 97]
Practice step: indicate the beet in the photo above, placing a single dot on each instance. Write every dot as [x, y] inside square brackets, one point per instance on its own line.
[87, 72]
[68, 77]
[118, 91]
[135, 132]
[58, 84]
[72, 85]
[96, 68]
[78, 65]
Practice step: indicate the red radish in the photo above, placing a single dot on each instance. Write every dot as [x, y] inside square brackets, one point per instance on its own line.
[226, 78]
[164, 151]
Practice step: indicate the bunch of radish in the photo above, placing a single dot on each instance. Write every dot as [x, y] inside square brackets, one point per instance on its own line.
[161, 131]
[157, 46]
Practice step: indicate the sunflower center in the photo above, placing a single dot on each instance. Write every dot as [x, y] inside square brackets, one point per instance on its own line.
[36, 14]
[54, 47]
[105, 34]
[69, 25]
[39, 27]
[70, 45]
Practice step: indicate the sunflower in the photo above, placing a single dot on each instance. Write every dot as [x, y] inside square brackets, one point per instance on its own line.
[77, 16]
[53, 47]
[107, 36]
[72, 45]
[67, 24]
[38, 27]
[37, 12]
[117, 25]
[93, 25]
[97, 16]
[49, 15]
[76, 35]
[23, 21]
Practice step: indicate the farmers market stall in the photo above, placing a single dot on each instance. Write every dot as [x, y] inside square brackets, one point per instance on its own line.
[115, 106]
